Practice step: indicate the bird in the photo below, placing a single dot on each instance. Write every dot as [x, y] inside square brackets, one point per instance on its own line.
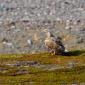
[54, 44]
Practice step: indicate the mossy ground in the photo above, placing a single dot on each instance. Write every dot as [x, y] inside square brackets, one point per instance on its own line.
[38, 76]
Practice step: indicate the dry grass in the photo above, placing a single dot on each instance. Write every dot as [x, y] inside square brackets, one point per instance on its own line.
[38, 76]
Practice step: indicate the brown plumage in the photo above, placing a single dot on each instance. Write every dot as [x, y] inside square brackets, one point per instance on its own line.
[53, 44]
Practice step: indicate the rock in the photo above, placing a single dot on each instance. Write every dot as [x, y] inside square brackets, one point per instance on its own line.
[36, 37]
[80, 40]
[71, 64]
[9, 44]
[21, 71]
[68, 28]
[29, 42]
[23, 63]
[66, 50]
[3, 69]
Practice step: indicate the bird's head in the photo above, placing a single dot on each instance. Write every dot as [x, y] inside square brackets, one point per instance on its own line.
[48, 33]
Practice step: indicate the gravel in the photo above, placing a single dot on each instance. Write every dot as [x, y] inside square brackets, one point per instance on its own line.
[21, 20]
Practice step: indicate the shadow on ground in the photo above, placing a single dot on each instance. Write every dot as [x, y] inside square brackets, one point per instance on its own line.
[74, 53]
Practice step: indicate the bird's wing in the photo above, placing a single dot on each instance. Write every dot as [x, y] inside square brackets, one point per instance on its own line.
[58, 42]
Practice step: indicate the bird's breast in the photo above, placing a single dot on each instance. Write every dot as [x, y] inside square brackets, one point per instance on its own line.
[50, 43]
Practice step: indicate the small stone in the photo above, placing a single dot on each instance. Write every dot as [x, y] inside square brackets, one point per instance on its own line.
[17, 30]
[66, 2]
[29, 41]
[12, 27]
[4, 40]
[22, 71]
[45, 13]
[80, 40]
[26, 13]
[36, 37]
[66, 50]
[67, 22]
[75, 22]
[67, 27]
[8, 44]
[59, 20]
[38, 14]
[33, 52]
[71, 64]
[1, 22]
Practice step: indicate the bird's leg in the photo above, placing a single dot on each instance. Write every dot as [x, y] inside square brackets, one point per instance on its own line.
[47, 49]
[50, 51]
[54, 52]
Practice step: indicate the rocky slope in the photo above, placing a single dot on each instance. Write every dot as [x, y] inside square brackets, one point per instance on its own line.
[22, 24]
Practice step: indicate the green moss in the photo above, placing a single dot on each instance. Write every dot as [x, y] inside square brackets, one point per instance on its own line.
[38, 76]
[66, 76]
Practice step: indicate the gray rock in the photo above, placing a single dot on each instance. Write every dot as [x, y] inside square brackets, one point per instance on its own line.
[23, 63]
[71, 64]
[21, 72]
[29, 42]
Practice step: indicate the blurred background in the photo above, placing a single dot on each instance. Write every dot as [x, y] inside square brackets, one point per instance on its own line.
[22, 24]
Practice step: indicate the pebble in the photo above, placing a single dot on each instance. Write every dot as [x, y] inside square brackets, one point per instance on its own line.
[9, 44]
[71, 64]
[17, 30]
[13, 27]
[36, 37]
[59, 20]
[68, 22]
[29, 41]
[80, 40]
[66, 50]
[1, 22]
[67, 27]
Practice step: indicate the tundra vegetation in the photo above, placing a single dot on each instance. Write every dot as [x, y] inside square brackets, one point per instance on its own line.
[43, 69]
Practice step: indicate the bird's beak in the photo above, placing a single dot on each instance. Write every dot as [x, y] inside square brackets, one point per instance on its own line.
[45, 30]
